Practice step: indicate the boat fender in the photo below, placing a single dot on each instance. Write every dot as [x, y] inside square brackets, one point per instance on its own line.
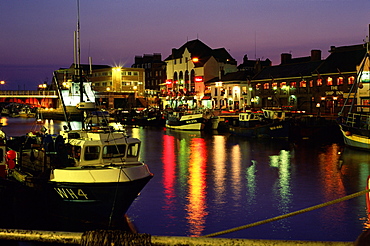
[10, 159]
[348, 133]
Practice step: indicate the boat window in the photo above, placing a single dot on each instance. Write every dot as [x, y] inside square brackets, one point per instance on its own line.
[91, 153]
[133, 150]
[76, 152]
[114, 151]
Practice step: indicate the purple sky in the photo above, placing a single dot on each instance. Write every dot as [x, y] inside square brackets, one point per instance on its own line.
[36, 37]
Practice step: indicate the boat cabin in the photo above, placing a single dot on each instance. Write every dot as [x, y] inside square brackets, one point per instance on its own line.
[275, 114]
[250, 119]
[100, 149]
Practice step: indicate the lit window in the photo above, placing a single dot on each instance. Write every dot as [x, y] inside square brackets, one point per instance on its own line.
[282, 84]
[311, 83]
[293, 84]
[340, 81]
[258, 86]
[351, 80]
[329, 81]
[303, 83]
[266, 86]
[319, 82]
[365, 102]
[274, 85]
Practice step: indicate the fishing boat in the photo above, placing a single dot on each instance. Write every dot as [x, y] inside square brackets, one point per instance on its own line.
[267, 123]
[91, 174]
[186, 119]
[354, 117]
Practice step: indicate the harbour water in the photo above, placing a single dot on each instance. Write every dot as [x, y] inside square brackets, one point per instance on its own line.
[210, 182]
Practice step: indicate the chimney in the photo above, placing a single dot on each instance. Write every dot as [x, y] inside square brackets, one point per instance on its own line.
[315, 55]
[285, 58]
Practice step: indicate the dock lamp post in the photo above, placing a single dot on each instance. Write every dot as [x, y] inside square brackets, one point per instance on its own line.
[135, 95]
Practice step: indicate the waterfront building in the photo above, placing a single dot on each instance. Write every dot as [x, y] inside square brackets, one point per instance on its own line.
[233, 90]
[310, 83]
[155, 75]
[119, 87]
[113, 87]
[189, 67]
[335, 77]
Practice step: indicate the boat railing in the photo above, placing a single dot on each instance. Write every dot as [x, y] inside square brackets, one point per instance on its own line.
[358, 120]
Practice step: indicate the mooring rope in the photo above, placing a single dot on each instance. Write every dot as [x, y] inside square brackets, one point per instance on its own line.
[289, 214]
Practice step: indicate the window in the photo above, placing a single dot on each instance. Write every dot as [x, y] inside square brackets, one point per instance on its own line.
[329, 81]
[114, 151]
[76, 152]
[293, 84]
[319, 82]
[311, 83]
[266, 86]
[91, 153]
[283, 85]
[351, 80]
[303, 84]
[340, 81]
[133, 150]
[365, 101]
[274, 86]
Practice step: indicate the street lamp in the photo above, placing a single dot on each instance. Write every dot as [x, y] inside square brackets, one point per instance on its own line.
[194, 60]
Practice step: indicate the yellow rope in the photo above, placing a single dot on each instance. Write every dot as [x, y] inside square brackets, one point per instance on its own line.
[289, 214]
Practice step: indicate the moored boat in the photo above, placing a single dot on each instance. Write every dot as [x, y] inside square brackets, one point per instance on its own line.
[268, 123]
[187, 119]
[91, 174]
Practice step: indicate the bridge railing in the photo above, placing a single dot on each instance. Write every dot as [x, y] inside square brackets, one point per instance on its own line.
[28, 93]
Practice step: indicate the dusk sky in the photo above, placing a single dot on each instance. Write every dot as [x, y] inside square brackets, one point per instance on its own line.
[36, 36]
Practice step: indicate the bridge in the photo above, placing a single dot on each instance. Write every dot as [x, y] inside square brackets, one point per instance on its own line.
[36, 98]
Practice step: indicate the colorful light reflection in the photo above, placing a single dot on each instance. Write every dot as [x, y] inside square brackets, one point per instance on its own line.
[197, 207]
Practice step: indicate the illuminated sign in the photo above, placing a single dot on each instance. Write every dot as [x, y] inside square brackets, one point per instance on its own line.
[365, 77]
[168, 81]
[198, 79]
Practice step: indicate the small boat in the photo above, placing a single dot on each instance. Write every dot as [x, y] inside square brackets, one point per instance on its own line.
[268, 123]
[354, 117]
[91, 174]
[191, 119]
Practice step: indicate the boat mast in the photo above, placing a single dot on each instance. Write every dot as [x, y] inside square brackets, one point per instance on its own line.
[78, 68]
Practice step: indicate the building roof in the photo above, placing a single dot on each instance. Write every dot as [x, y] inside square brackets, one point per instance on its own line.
[288, 70]
[232, 77]
[203, 52]
[342, 59]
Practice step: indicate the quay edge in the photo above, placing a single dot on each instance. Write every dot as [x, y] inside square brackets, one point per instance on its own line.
[75, 238]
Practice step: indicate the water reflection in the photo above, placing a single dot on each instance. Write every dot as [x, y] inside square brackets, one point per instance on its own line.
[169, 175]
[206, 183]
[219, 169]
[197, 205]
[282, 186]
